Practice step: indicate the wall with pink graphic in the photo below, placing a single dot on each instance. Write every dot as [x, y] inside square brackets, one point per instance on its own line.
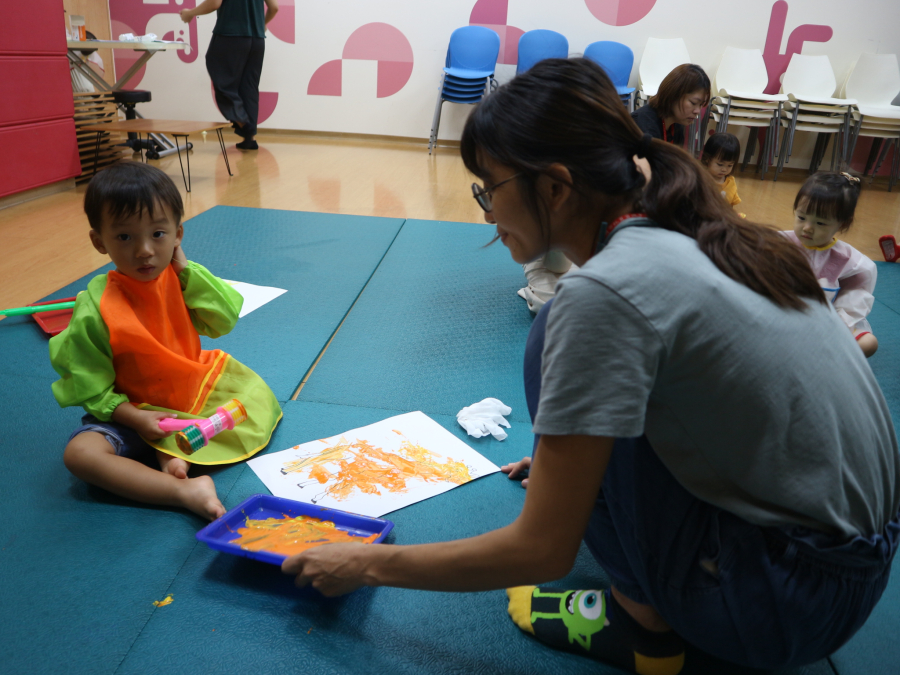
[358, 66]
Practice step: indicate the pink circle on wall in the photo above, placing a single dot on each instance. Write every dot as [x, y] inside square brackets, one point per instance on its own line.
[620, 12]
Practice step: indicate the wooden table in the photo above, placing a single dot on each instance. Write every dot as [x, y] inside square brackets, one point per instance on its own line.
[174, 127]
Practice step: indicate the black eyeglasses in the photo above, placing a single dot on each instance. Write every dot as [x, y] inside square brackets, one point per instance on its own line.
[483, 194]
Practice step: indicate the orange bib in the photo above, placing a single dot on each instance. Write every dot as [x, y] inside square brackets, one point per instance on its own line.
[155, 347]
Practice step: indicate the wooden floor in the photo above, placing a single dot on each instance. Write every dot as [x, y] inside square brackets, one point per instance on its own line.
[46, 246]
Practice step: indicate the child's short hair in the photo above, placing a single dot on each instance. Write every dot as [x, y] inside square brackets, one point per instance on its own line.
[830, 195]
[724, 147]
[127, 188]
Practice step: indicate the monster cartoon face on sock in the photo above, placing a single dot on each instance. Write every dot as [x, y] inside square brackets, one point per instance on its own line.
[582, 612]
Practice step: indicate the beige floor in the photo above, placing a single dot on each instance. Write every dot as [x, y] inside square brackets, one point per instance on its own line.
[46, 246]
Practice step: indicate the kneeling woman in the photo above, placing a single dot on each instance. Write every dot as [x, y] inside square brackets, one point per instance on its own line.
[749, 505]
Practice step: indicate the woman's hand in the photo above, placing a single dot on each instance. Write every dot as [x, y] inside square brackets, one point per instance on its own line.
[516, 469]
[186, 15]
[332, 569]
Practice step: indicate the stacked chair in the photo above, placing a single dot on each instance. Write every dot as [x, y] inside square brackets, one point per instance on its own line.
[873, 82]
[537, 45]
[469, 71]
[617, 60]
[739, 100]
[810, 84]
[659, 58]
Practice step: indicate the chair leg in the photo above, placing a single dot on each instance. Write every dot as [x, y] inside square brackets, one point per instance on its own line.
[723, 120]
[704, 127]
[876, 156]
[881, 147]
[777, 124]
[436, 120]
[782, 154]
[751, 145]
[845, 134]
[834, 147]
[855, 138]
[895, 169]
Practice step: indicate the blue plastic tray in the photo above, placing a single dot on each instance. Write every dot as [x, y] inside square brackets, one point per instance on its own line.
[219, 533]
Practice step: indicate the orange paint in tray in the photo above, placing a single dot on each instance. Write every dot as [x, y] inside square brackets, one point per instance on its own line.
[287, 536]
[270, 529]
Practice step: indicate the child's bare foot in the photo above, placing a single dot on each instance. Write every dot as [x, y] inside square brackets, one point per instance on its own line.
[199, 495]
[174, 466]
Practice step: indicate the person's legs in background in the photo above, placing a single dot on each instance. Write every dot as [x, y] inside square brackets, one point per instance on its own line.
[226, 61]
[248, 91]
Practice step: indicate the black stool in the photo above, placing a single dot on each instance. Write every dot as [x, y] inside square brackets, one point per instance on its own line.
[128, 100]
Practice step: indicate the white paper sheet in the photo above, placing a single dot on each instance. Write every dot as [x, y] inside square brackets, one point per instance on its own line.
[376, 469]
[254, 296]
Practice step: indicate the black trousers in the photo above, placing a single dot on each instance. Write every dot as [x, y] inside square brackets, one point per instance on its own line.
[234, 65]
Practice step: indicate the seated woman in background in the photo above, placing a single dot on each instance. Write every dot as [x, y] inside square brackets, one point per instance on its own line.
[682, 95]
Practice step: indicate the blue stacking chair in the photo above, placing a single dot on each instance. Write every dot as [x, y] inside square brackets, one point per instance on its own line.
[537, 45]
[617, 60]
[468, 72]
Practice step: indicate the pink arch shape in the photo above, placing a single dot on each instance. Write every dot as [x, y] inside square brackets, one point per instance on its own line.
[378, 42]
[620, 12]
[327, 79]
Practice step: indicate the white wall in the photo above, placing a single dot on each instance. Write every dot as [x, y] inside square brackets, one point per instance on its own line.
[182, 91]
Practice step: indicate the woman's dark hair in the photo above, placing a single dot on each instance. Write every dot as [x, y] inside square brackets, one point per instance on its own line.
[724, 147]
[567, 111]
[125, 189]
[683, 80]
[830, 195]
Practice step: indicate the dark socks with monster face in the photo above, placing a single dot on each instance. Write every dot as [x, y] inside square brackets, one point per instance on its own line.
[594, 624]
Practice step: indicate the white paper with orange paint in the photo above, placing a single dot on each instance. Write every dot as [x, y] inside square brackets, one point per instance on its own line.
[376, 469]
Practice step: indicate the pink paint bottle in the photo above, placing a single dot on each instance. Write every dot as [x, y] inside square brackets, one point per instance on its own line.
[195, 434]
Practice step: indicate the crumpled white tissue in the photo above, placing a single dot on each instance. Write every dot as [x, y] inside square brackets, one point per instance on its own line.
[485, 417]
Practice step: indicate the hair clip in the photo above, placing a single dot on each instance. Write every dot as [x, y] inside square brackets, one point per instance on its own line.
[852, 179]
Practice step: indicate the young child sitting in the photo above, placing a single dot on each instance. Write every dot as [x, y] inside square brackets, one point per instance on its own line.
[131, 355]
[824, 207]
[720, 154]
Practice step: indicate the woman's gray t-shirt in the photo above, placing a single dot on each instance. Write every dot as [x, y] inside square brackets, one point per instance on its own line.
[769, 413]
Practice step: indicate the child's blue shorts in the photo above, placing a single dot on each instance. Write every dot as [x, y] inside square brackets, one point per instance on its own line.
[125, 440]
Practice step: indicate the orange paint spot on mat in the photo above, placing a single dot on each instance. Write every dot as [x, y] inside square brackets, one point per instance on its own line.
[359, 465]
[163, 603]
[287, 536]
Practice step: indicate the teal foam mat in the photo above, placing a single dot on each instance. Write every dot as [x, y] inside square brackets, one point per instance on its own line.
[438, 328]
[80, 567]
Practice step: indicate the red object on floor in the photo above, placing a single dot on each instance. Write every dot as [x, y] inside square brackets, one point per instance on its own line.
[55, 322]
[889, 248]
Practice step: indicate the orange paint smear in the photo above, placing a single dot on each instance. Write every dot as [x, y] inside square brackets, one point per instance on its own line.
[287, 536]
[362, 466]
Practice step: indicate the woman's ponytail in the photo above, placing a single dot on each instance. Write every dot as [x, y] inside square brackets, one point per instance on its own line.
[681, 196]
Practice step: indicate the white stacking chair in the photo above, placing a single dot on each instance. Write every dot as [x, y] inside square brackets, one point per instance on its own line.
[873, 82]
[660, 57]
[810, 85]
[739, 100]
